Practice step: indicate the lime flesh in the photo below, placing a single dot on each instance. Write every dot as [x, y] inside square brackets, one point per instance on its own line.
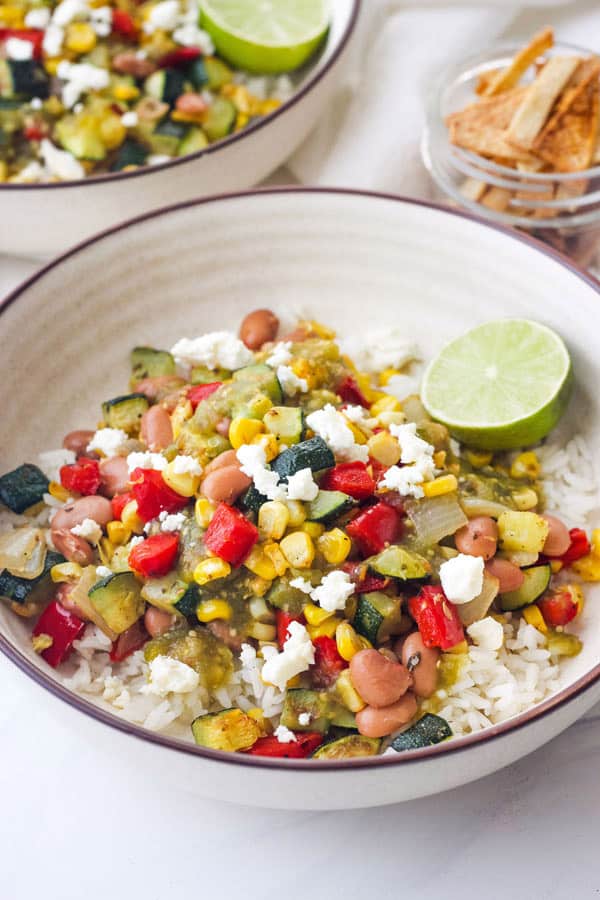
[501, 386]
[265, 36]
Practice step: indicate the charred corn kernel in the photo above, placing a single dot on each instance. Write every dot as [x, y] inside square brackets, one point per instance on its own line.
[272, 552]
[315, 529]
[269, 106]
[242, 431]
[273, 519]
[67, 571]
[391, 418]
[260, 611]
[130, 518]
[325, 629]
[182, 412]
[348, 642]
[348, 693]
[525, 499]
[322, 331]
[117, 533]
[526, 465]
[51, 65]
[359, 436]
[555, 566]
[204, 510]
[439, 459]
[269, 443]
[262, 632]
[241, 120]
[41, 642]
[304, 368]
[296, 512]
[595, 541]
[112, 132]
[384, 448]
[385, 376]
[11, 15]
[445, 484]
[385, 404]
[106, 550]
[463, 647]
[259, 586]
[588, 567]
[80, 37]
[533, 616]
[299, 549]
[58, 491]
[479, 458]
[335, 546]
[261, 720]
[209, 610]
[366, 388]
[184, 483]
[258, 406]
[259, 563]
[314, 615]
[211, 569]
[126, 92]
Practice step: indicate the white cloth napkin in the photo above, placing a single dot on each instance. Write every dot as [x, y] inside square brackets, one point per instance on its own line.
[369, 138]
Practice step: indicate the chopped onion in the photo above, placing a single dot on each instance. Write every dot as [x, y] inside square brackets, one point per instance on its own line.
[23, 552]
[478, 607]
[436, 518]
[414, 410]
[479, 506]
[80, 598]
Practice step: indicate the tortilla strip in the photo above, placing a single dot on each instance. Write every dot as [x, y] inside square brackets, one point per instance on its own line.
[496, 198]
[571, 189]
[472, 189]
[531, 116]
[583, 74]
[570, 147]
[509, 77]
[485, 79]
[481, 127]
[596, 156]
[536, 165]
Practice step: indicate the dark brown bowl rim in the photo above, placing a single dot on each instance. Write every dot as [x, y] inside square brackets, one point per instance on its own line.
[457, 745]
[307, 86]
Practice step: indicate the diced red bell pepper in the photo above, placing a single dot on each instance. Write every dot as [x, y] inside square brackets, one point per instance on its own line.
[129, 641]
[580, 546]
[558, 607]
[119, 502]
[82, 477]
[153, 495]
[199, 392]
[283, 620]
[179, 58]
[63, 627]
[230, 535]
[34, 132]
[378, 469]
[350, 392]
[374, 528]
[365, 582]
[33, 36]
[436, 618]
[123, 24]
[154, 556]
[328, 663]
[352, 478]
[305, 744]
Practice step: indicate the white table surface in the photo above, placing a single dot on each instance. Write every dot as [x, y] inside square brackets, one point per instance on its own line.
[72, 827]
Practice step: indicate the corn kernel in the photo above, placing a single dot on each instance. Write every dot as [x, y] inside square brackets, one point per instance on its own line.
[52, 63]
[209, 610]
[106, 549]
[299, 549]
[348, 693]
[384, 448]
[41, 642]
[385, 404]
[445, 484]
[273, 518]
[274, 554]
[588, 568]
[314, 615]
[11, 15]
[439, 459]
[384, 377]
[259, 717]
[348, 642]
[182, 412]
[479, 458]
[260, 611]
[325, 629]
[577, 595]
[269, 106]
[80, 37]
[462, 647]
[533, 616]
[335, 546]
[242, 431]
[57, 490]
[241, 120]
[363, 381]
[595, 541]
[117, 533]
[314, 529]
[262, 632]
[67, 571]
[259, 586]
[391, 418]
[184, 483]
[112, 132]
[259, 563]
[211, 569]
[130, 518]
[259, 405]
[125, 92]
[322, 331]
[525, 499]
[3, 170]
[555, 566]
[269, 443]
[526, 465]
[296, 511]
[204, 510]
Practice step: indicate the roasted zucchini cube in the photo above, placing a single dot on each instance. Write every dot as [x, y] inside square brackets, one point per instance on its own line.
[125, 412]
[23, 487]
[229, 730]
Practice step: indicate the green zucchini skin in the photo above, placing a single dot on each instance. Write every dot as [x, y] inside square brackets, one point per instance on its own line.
[187, 604]
[313, 454]
[117, 598]
[427, 731]
[130, 153]
[193, 141]
[348, 747]
[26, 590]
[125, 411]
[23, 487]
[23, 78]
[262, 378]
[146, 362]
[219, 119]
[166, 85]
[286, 423]
[537, 579]
[378, 616]
[328, 505]
[230, 729]
[323, 710]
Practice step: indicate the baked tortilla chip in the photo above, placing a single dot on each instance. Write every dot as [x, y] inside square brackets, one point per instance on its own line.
[570, 146]
[481, 127]
[530, 117]
[508, 78]
[587, 70]
[472, 189]
[496, 198]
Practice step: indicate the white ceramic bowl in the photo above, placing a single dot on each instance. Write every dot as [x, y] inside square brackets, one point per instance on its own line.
[44, 219]
[350, 259]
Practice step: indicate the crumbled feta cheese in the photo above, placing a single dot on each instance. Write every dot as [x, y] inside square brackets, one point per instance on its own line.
[170, 676]
[101, 20]
[18, 49]
[146, 460]
[61, 163]
[186, 465]
[103, 571]
[417, 460]
[280, 355]
[171, 521]
[36, 103]
[89, 530]
[377, 350]
[297, 655]
[51, 462]
[407, 480]
[32, 172]
[302, 486]
[412, 446]
[219, 349]
[330, 424]
[356, 414]
[304, 719]
[284, 88]
[189, 35]
[290, 383]
[284, 735]
[69, 10]
[334, 590]
[129, 119]
[401, 386]
[79, 78]
[301, 584]
[108, 441]
[462, 578]
[162, 17]
[52, 43]
[135, 540]
[487, 633]
[253, 461]
[38, 17]
[157, 159]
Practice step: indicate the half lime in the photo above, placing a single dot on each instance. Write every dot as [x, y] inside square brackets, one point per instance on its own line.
[502, 385]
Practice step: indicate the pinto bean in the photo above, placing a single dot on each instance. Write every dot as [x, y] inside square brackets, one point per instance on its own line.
[223, 426]
[424, 664]
[72, 547]
[114, 473]
[224, 632]
[158, 621]
[94, 507]
[227, 458]
[63, 596]
[192, 104]
[377, 722]
[258, 328]
[156, 429]
[479, 537]
[77, 441]
[559, 539]
[225, 485]
[378, 680]
[510, 577]
[129, 63]
[159, 387]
